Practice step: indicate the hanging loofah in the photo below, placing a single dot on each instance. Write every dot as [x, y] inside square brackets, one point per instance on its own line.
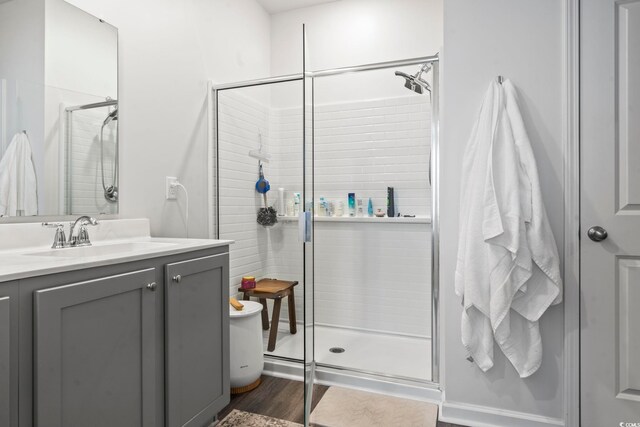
[267, 216]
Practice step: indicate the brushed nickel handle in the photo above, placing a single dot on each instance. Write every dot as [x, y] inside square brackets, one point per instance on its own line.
[177, 278]
[597, 233]
[152, 286]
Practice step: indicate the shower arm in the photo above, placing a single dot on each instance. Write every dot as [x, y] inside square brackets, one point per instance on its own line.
[424, 69]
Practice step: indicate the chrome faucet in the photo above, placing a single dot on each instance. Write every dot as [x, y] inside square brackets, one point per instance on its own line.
[82, 237]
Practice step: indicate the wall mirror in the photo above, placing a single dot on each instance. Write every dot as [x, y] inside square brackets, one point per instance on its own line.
[58, 111]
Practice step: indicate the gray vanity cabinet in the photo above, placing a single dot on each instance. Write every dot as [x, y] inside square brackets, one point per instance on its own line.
[95, 352]
[118, 345]
[196, 324]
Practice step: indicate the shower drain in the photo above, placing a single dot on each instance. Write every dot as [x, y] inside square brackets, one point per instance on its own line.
[336, 350]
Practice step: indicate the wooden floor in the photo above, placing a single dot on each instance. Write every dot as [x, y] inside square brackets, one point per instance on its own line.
[280, 398]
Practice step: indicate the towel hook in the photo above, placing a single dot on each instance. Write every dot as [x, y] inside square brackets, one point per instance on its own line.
[500, 79]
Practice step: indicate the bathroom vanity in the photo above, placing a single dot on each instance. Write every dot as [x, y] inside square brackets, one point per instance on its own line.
[132, 331]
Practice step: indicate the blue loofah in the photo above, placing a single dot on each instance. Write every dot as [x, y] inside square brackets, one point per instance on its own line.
[262, 186]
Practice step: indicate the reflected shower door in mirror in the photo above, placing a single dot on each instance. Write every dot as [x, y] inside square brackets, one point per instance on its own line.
[58, 111]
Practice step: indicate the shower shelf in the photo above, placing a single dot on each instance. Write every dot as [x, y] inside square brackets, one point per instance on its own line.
[365, 219]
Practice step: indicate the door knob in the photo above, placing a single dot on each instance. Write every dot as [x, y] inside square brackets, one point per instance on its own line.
[597, 233]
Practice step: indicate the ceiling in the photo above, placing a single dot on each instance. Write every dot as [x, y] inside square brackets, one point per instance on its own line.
[277, 6]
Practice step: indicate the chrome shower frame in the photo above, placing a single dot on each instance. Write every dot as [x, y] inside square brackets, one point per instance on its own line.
[69, 131]
[214, 186]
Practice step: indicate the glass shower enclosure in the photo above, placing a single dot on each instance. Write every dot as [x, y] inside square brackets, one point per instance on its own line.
[353, 169]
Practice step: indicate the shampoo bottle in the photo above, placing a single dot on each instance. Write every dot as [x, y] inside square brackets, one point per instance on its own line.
[352, 204]
[391, 208]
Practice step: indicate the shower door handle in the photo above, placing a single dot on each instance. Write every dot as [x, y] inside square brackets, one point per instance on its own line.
[304, 227]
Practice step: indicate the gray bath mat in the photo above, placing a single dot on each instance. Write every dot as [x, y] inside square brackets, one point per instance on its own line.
[238, 418]
[341, 407]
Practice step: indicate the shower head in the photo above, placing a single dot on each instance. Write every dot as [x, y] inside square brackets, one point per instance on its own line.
[415, 82]
[111, 116]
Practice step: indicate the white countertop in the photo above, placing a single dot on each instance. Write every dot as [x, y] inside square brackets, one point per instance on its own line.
[24, 253]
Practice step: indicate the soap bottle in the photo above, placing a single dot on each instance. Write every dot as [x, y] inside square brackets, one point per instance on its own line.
[322, 207]
[296, 204]
[352, 204]
[370, 208]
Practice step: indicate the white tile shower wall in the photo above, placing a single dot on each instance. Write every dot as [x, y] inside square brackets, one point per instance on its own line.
[363, 147]
[87, 194]
[367, 276]
[374, 276]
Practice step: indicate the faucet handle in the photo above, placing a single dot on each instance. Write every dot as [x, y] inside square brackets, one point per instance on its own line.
[59, 241]
[83, 236]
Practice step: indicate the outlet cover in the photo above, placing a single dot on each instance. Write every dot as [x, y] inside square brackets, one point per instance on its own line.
[171, 190]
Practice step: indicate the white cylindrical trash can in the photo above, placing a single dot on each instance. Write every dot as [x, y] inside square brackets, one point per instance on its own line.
[247, 359]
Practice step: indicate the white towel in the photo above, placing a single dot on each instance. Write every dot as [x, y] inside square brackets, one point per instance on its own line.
[18, 189]
[508, 270]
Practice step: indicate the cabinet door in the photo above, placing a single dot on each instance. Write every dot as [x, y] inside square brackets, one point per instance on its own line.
[6, 367]
[197, 340]
[94, 352]
[9, 355]
[5, 361]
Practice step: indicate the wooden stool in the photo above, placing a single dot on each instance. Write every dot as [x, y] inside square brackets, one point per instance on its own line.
[276, 290]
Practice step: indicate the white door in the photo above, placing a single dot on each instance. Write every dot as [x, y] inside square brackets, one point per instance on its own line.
[610, 198]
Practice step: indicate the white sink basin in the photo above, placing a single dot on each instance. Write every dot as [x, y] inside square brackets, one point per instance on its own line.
[102, 250]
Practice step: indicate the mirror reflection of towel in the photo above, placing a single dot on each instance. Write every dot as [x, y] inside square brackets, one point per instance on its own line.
[18, 188]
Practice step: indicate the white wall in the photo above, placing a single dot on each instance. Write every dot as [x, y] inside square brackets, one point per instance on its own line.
[520, 39]
[168, 51]
[352, 32]
[81, 53]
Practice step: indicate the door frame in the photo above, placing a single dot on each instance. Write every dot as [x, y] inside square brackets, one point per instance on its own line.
[571, 250]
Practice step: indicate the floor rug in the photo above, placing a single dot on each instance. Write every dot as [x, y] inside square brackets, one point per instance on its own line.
[238, 418]
[341, 407]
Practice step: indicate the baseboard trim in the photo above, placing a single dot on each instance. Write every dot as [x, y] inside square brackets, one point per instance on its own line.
[280, 368]
[483, 416]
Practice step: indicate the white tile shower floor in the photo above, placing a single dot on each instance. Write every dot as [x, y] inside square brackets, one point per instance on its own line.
[379, 353]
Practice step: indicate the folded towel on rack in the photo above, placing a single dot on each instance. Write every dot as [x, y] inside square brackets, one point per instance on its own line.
[18, 187]
[507, 271]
